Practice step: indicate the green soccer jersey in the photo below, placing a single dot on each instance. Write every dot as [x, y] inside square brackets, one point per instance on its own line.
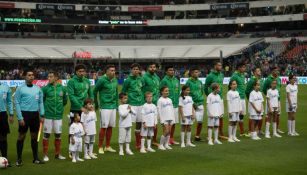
[108, 93]
[134, 87]
[267, 84]
[152, 84]
[214, 77]
[173, 85]
[240, 79]
[196, 90]
[250, 85]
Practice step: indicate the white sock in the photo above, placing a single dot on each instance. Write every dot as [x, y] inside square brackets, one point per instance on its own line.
[142, 143]
[91, 147]
[127, 146]
[189, 137]
[289, 126]
[267, 127]
[182, 137]
[162, 140]
[234, 131]
[86, 149]
[167, 140]
[73, 155]
[210, 133]
[216, 133]
[293, 126]
[274, 128]
[77, 155]
[230, 128]
[148, 143]
[121, 147]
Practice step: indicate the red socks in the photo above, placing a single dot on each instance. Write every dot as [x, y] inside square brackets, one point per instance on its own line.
[108, 137]
[101, 137]
[137, 140]
[155, 135]
[221, 127]
[57, 145]
[198, 129]
[241, 125]
[249, 125]
[45, 146]
[172, 132]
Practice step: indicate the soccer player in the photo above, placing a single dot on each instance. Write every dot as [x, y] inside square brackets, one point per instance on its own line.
[267, 85]
[76, 132]
[152, 84]
[30, 112]
[55, 98]
[249, 88]
[215, 111]
[239, 77]
[149, 122]
[88, 120]
[166, 116]
[79, 89]
[272, 108]
[255, 108]
[6, 106]
[291, 104]
[187, 115]
[125, 122]
[216, 76]
[234, 109]
[107, 101]
[133, 86]
[173, 85]
[197, 94]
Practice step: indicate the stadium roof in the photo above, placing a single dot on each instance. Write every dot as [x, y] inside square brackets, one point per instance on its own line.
[129, 49]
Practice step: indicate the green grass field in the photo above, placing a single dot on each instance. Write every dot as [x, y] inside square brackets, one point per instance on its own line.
[286, 155]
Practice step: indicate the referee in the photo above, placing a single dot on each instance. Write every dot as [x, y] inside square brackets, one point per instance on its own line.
[30, 111]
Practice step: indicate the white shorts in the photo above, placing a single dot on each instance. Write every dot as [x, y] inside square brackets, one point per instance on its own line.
[287, 108]
[138, 116]
[149, 131]
[75, 147]
[52, 125]
[176, 112]
[243, 107]
[213, 121]
[124, 135]
[89, 139]
[107, 118]
[199, 113]
[187, 121]
[255, 117]
[234, 117]
[267, 109]
[167, 122]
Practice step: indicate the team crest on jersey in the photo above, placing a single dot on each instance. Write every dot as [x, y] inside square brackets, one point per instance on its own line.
[61, 94]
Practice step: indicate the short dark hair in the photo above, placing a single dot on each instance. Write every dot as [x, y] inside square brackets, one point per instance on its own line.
[162, 88]
[255, 68]
[121, 95]
[28, 69]
[109, 66]
[135, 65]
[169, 67]
[193, 68]
[217, 62]
[241, 64]
[80, 66]
[56, 74]
[152, 63]
[274, 67]
[256, 82]
[291, 76]
[88, 101]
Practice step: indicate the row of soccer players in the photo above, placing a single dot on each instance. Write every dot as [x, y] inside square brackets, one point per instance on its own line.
[31, 103]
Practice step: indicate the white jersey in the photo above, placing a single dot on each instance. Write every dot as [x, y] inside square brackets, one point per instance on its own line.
[273, 96]
[125, 116]
[233, 101]
[292, 90]
[89, 122]
[257, 99]
[165, 109]
[76, 129]
[214, 106]
[187, 105]
[149, 115]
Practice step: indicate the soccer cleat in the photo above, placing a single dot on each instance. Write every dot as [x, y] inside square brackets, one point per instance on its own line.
[223, 137]
[191, 145]
[46, 158]
[247, 134]
[109, 149]
[267, 136]
[87, 157]
[236, 139]
[60, 157]
[79, 159]
[73, 161]
[296, 134]
[167, 147]
[121, 153]
[210, 142]
[155, 144]
[37, 161]
[276, 135]
[280, 131]
[129, 152]
[19, 162]
[143, 151]
[161, 147]
[198, 139]
[100, 151]
[175, 143]
[231, 140]
[93, 156]
[290, 134]
[151, 150]
[261, 133]
[182, 145]
[69, 155]
[217, 142]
